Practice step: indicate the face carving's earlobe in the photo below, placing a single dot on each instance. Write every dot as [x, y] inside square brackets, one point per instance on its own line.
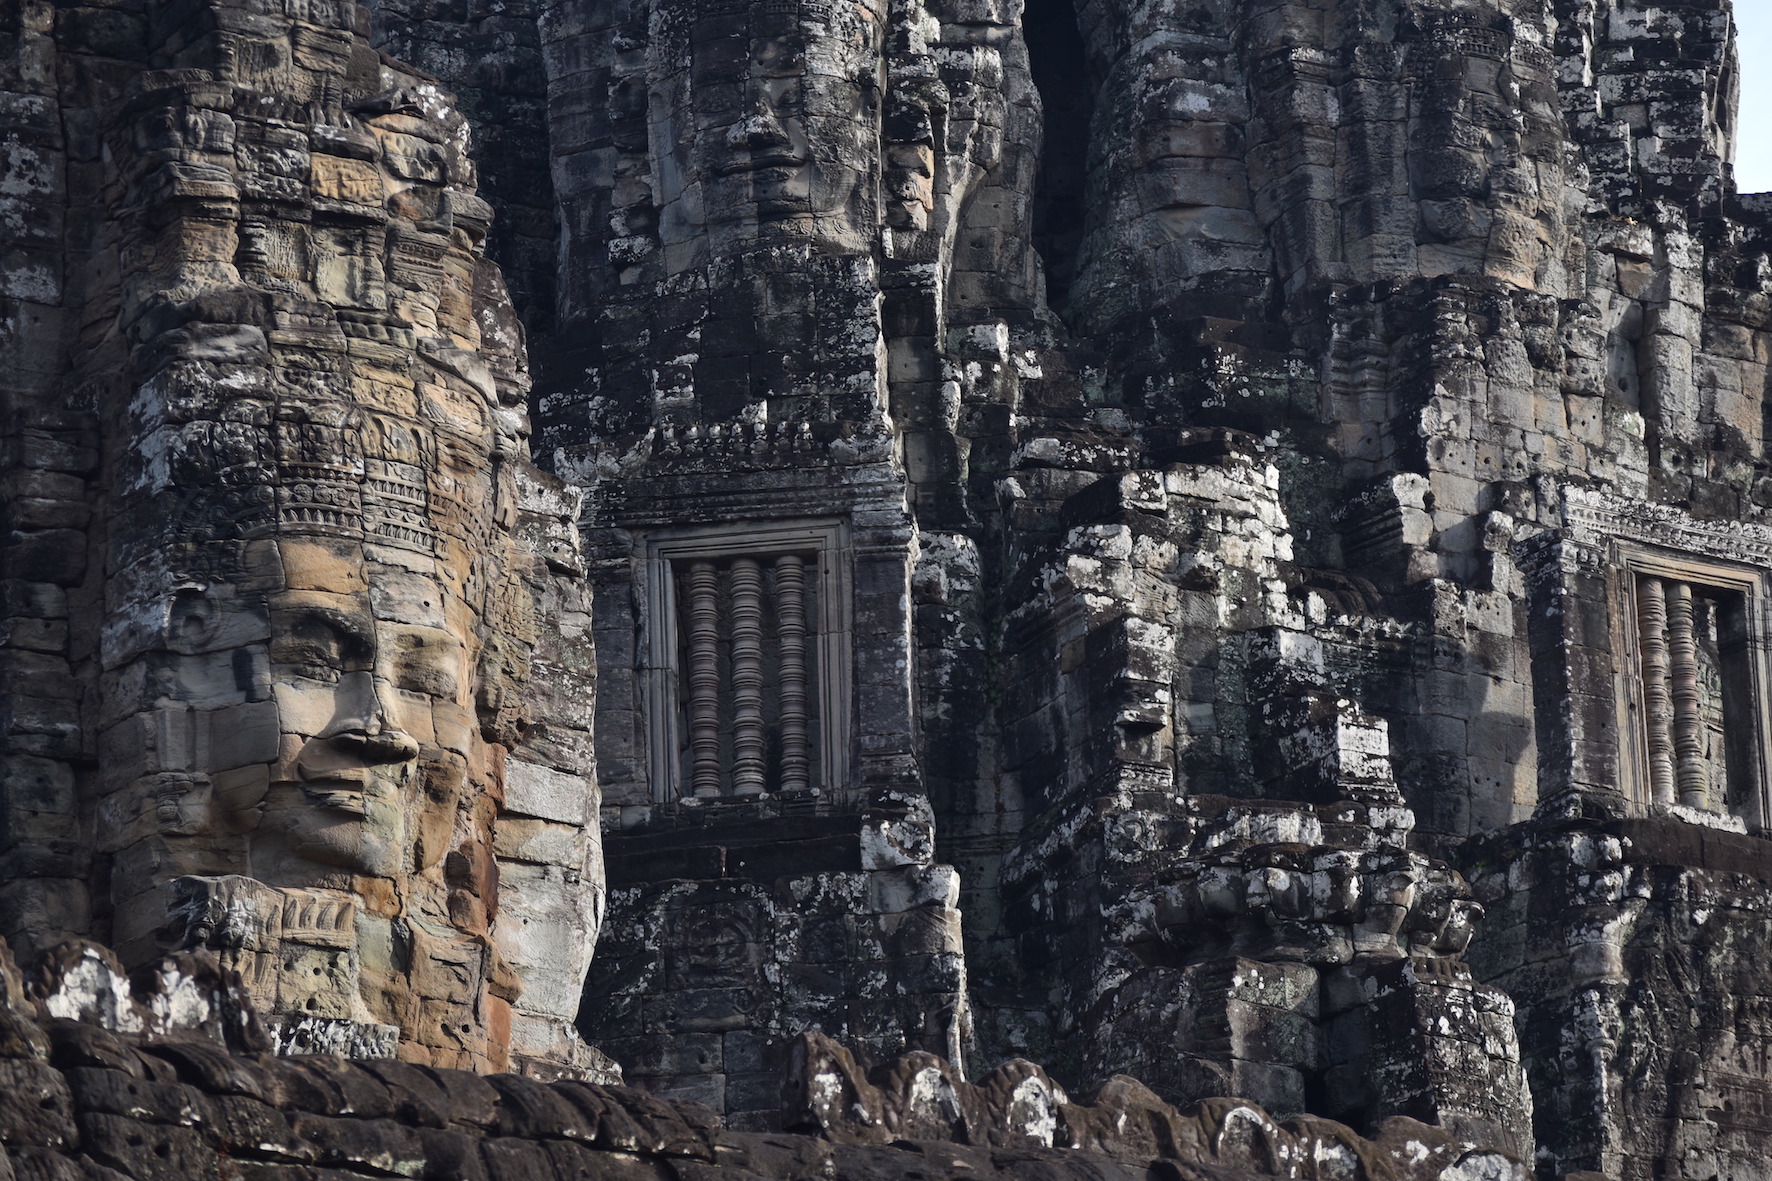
[440, 792]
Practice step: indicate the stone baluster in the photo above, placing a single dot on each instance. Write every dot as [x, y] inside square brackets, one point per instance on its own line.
[790, 602]
[1682, 661]
[1658, 710]
[747, 677]
[704, 679]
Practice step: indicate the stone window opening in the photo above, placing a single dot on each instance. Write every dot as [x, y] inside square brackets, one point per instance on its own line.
[1697, 687]
[747, 695]
[747, 679]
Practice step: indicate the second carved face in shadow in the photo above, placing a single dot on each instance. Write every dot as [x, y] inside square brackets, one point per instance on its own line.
[786, 123]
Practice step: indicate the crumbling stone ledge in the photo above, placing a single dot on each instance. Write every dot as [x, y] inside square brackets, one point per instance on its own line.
[166, 1078]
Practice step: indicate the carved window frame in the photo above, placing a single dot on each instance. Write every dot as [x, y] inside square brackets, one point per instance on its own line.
[660, 644]
[1634, 562]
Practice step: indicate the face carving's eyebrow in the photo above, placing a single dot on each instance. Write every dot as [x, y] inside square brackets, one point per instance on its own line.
[355, 632]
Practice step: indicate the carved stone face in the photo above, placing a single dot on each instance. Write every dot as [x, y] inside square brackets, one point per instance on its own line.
[375, 720]
[1174, 200]
[767, 149]
[786, 123]
[910, 164]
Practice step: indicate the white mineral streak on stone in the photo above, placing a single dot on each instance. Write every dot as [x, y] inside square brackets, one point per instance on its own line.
[1033, 1111]
[1485, 1166]
[90, 990]
[180, 1002]
[331, 1035]
[1706, 818]
[826, 1088]
[931, 1097]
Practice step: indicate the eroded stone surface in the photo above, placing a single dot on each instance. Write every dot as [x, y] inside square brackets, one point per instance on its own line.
[318, 555]
[1228, 447]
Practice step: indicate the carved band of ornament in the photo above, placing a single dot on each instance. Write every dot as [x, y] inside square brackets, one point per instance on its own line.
[760, 440]
[806, 10]
[1296, 65]
[307, 516]
[317, 918]
[1474, 43]
[1658, 708]
[747, 677]
[1682, 669]
[416, 260]
[704, 680]
[1592, 519]
[295, 470]
[416, 495]
[404, 538]
[1534, 58]
[790, 602]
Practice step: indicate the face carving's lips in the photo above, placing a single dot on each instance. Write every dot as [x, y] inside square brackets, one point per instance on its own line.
[757, 162]
[340, 791]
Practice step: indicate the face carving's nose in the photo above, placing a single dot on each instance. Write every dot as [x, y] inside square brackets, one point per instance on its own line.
[377, 740]
[759, 129]
[388, 746]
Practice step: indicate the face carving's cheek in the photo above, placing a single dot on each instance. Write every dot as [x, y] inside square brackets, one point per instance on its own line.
[429, 665]
[311, 710]
[443, 780]
[456, 726]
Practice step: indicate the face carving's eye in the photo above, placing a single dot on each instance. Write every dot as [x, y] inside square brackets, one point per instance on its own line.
[315, 670]
[426, 668]
[316, 646]
[779, 59]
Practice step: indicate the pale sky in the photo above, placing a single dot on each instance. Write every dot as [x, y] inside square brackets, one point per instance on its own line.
[1753, 148]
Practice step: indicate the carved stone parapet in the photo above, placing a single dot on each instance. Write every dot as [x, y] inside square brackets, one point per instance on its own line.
[296, 951]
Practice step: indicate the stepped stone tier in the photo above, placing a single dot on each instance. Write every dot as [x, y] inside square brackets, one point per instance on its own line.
[642, 588]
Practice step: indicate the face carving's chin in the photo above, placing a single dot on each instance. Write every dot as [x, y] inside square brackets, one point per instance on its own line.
[358, 832]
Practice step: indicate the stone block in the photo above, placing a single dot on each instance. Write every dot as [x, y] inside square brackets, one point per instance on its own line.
[894, 891]
[535, 790]
[56, 556]
[1279, 1089]
[237, 735]
[667, 1055]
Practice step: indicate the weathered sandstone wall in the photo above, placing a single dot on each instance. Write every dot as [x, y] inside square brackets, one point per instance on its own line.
[1225, 542]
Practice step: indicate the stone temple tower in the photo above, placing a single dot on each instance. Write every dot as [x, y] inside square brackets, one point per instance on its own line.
[1226, 542]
